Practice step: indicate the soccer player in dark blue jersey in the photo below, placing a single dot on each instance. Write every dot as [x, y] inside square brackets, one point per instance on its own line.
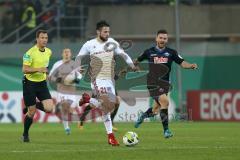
[160, 58]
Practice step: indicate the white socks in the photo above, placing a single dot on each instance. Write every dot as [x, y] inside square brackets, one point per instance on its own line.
[107, 122]
[65, 121]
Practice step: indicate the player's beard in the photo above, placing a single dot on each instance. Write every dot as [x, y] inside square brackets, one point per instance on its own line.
[103, 38]
[161, 45]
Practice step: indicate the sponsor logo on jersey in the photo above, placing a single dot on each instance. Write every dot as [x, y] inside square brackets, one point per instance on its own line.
[158, 60]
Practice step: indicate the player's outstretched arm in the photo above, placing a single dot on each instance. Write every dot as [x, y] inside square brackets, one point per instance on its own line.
[187, 65]
[128, 60]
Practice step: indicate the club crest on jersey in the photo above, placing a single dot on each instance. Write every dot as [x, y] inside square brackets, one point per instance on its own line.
[166, 54]
[158, 60]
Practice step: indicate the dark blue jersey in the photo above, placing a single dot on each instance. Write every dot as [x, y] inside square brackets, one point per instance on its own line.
[160, 61]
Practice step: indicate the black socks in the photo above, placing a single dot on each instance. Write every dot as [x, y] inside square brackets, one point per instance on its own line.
[27, 124]
[85, 112]
[164, 117]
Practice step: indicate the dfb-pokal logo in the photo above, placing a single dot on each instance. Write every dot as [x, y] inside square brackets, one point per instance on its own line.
[6, 105]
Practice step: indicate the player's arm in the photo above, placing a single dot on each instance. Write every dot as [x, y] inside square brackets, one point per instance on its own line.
[125, 56]
[141, 58]
[187, 65]
[27, 69]
[128, 60]
[184, 64]
[53, 73]
[82, 53]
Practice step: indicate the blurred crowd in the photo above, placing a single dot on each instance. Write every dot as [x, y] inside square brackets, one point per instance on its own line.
[26, 15]
[19, 18]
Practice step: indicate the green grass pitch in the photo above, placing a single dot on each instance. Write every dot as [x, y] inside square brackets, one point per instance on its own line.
[191, 141]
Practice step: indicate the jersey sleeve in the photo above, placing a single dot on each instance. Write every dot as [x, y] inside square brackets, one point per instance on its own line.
[54, 71]
[84, 50]
[143, 56]
[50, 53]
[177, 58]
[27, 59]
[53, 74]
[118, 50]
[49, 56]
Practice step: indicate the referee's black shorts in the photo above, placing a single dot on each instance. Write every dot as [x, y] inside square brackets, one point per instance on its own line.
[33, 90]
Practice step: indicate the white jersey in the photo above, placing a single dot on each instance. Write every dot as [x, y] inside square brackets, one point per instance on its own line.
[62, 70]
[102, 61]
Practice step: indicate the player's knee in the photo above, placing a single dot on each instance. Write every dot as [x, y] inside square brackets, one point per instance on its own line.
[48, 109]
[48, 105]
[155, 109]
[31, 112]
[164, 102]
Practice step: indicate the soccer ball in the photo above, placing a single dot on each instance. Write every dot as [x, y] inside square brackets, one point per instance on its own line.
[130, 139]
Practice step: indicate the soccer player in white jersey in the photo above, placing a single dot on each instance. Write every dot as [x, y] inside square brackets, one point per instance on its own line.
[102, 50]
[65, 76]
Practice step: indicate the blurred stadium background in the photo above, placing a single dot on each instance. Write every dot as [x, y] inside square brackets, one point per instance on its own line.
[203, 31]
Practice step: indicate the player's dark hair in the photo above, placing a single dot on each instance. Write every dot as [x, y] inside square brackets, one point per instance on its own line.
[101, 24]
[39, 32]
[162, 31]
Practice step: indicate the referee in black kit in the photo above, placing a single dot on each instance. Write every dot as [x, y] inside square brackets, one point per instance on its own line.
[35, 63]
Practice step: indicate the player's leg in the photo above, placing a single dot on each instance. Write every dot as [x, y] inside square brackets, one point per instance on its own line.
[88, 103]
[164, 102]
[106, 92]
[66, 103]
[38, 105]
[150, 112]
[114, 112]
[29, 96]
[65, 115]
[82, 118]
[25, 110]
[46, 103]
[107, 105]
[28, 120]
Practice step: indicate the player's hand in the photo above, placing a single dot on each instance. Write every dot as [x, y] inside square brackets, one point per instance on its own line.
[135, 69]
[43, 70]
[135, 62]
[194, 66]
